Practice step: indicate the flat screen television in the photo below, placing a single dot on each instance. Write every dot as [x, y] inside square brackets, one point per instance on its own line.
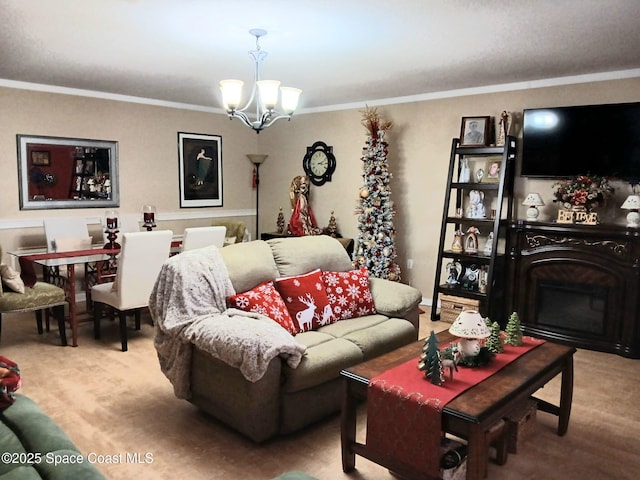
[568, 141]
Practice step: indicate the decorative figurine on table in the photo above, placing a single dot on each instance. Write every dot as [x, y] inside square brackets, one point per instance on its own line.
[332, 228]
[494, 342]
[430, 361]
[451, 364]
[513, 331]
[303, 221]
[280, 222]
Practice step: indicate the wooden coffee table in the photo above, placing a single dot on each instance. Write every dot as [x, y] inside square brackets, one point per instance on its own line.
[474, 411]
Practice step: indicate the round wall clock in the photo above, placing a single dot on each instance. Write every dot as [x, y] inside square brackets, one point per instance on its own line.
[319, 163]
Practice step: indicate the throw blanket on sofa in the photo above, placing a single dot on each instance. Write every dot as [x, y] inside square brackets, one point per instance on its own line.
[188, 306]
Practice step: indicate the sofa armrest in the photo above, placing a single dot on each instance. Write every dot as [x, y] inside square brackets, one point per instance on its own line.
[395, 299]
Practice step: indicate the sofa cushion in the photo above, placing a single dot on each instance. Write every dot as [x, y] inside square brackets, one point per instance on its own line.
[266, 300]
[322, 363]
[349, 294]
[306, 299]
[373, 334]
[249, 264]
[298, 255]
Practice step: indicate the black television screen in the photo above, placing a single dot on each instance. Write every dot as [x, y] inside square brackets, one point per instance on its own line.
[568, 141]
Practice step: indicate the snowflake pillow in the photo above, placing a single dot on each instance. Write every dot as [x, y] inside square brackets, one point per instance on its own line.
[266, 300]
[306, 300]
[349, 293]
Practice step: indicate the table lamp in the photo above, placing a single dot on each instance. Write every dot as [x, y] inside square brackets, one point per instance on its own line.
[632, 203]
[470, 327]
[149, 216]
[533, 201]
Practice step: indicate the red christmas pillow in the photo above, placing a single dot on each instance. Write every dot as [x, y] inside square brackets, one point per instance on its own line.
[306, 300]
[266, 300]
[349, 293]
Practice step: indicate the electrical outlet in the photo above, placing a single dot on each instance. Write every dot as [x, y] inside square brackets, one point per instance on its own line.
[409, 264]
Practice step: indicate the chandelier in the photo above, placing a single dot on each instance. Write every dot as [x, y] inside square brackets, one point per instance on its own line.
[264, 94]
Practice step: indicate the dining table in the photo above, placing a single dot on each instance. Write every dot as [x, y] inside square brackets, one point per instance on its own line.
[59, 268]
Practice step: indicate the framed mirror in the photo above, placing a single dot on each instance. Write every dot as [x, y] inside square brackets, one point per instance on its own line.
[56, 172]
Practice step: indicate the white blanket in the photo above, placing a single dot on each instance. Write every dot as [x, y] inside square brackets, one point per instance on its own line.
[188, 306]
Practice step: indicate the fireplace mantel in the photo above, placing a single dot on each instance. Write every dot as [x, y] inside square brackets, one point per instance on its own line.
[577, 284]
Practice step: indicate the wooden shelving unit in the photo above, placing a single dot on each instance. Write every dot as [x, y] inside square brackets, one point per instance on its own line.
[498, 195]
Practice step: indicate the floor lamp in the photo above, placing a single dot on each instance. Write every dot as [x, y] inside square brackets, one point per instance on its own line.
[257, 160]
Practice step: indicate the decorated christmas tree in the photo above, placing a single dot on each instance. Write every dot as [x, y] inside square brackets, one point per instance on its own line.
[494, 342]
[430, 360]
[375, 248]
[513, 331]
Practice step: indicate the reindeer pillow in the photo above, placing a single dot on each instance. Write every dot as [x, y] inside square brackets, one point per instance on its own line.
[306, 299]
[266, 300]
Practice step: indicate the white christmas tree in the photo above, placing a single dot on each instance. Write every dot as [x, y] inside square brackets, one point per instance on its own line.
[375, 248]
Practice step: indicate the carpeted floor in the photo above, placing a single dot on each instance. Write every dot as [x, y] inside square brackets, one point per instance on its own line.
[113, 403]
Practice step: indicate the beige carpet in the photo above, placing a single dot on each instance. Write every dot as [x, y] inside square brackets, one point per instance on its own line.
[113, 403]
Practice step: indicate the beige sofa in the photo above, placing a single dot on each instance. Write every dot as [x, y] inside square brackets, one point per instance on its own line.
[286, 399]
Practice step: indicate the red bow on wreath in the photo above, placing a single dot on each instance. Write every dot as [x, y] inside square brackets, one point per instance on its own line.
[9, 381]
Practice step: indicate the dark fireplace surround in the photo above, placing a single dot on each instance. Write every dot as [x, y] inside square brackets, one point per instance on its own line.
[577, 284]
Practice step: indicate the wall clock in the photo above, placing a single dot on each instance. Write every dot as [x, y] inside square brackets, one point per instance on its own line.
[319, 163]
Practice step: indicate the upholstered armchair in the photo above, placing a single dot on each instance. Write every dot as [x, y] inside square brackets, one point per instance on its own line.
[42, 296]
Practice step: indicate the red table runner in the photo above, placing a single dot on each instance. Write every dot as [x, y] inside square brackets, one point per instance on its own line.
[404, 408]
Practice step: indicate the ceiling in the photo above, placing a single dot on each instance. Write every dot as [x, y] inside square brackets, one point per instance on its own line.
[337, 51]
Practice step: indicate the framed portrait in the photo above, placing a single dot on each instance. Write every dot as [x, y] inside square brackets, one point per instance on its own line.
[41, 158]
[474, 131]
[200, 159]
[493, 168]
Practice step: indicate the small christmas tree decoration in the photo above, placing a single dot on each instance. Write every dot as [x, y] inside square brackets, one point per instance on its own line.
[280, 221]
[513, 331]
[494, 342]
[430, 360]
[332, 228]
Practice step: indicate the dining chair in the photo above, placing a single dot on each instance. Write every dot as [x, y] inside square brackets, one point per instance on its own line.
[141, 257]
[66, 233]
[42, 296]
[200, 237]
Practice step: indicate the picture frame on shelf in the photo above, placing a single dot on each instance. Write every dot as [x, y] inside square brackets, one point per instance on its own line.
[200, 158]
[493, 167]
[41, 158]
[474, 131]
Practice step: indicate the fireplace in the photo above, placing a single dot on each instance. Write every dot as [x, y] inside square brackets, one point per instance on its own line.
[577, 284]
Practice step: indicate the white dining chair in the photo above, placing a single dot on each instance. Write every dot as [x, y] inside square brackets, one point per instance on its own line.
[200, 237]
[141, 258]
[64, 234]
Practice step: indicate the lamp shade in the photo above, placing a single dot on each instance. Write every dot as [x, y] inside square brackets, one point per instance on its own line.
[470, 324]
[631, 203]
[257, 158]
[533, 200]
[231, 93]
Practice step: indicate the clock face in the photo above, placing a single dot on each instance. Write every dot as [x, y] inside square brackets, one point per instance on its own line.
[319, 163]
